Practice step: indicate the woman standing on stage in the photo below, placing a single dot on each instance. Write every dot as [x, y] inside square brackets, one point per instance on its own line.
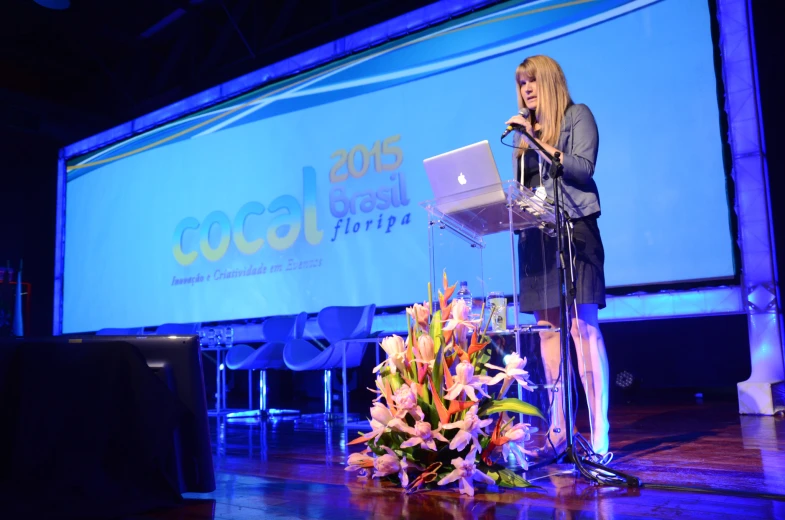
[559, 125]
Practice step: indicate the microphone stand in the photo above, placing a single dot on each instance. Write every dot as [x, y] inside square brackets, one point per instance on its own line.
[599, 473]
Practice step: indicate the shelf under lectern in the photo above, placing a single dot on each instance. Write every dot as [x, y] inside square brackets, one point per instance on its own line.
[470, 216]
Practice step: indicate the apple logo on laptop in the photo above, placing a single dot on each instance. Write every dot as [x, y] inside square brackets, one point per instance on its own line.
[461, 179]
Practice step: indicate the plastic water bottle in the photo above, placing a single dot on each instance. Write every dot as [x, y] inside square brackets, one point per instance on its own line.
[465, 295]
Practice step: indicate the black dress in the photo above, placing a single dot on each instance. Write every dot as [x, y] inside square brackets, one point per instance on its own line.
[537, 253]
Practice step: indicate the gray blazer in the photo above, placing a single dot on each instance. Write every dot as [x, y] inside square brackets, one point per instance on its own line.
[579, 141]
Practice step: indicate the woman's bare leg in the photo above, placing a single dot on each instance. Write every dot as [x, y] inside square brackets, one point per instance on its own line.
[551, 358]
[592, 365]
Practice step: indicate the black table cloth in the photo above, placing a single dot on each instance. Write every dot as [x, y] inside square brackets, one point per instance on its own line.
[86, 431]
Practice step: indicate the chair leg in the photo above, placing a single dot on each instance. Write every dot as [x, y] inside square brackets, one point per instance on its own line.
[328, 400]
[223, 380]
[263, 390]
[345, 404]
[251, 411]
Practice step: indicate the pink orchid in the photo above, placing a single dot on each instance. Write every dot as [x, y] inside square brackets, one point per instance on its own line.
[406, 402]
[395, 348]
[466, 381]
[426, 356]
[516, 436]
[471, 426]
[420, 313]
[386, 464]
[361, 462]
[512, 371]
[379, 389]
[466, 472]
[382, 420]
[423, 435]
[389, 463]
[459, 319]
[426, 349]
[405, 466]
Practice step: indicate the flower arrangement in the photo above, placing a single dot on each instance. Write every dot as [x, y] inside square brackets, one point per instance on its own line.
[433, 422]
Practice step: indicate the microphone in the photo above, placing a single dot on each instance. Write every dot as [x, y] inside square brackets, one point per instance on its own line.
[524, 112]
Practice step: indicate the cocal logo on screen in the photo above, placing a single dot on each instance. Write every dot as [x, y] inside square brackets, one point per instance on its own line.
[292, 217]
[295, 217]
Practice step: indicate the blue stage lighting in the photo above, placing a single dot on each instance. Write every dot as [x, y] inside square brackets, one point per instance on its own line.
[54, 4]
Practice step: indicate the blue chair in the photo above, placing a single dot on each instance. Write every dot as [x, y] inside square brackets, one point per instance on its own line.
[276, 331]
[137, 331]
[348, 329]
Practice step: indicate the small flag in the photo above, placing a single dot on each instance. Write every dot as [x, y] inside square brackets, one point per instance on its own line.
[18, 325]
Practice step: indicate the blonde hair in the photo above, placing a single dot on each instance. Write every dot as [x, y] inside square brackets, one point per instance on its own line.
[553, 97]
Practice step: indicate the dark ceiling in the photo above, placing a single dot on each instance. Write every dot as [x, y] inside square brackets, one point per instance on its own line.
[71, 73]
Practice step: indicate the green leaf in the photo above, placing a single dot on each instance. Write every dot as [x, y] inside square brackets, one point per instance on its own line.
[396, 381]
[437, 343]
[510, 404]
[438, 348]
[432, 414]
[376, 448]
[438, 371]
[436, 325]
[508, 479]
[440, 475]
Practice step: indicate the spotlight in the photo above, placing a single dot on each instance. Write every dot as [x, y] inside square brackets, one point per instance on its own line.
[624, 379]
[506, 359]
[628, 385]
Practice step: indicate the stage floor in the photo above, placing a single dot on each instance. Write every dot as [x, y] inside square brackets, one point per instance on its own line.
[734, 465]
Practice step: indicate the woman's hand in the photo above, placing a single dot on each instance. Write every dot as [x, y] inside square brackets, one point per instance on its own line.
[533, 141]
[522, 122]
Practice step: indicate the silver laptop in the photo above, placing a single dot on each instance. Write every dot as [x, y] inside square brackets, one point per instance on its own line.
[463, 171]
